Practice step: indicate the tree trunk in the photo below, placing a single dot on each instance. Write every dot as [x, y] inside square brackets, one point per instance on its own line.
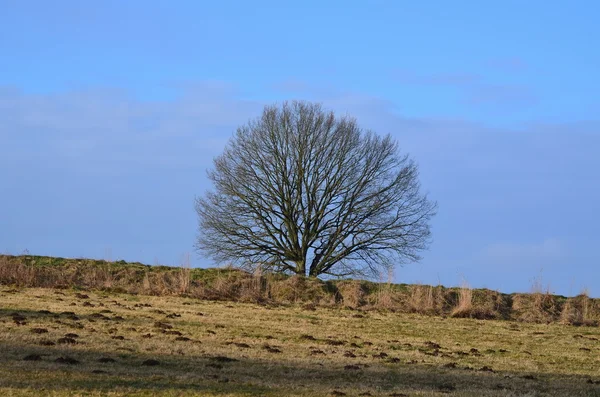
[301, 267]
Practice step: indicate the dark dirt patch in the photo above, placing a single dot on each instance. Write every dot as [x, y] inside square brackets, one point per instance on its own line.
[151, 362]
[19, 319]
[32, 357]
[39, 330]
[66, 360]
[351, 367]
[66, 341]
[432, 345]
[271, 349]
[182, 339]
[106, 360]
[46, 343]
[446, 387]
[162, 325]
[223, 359]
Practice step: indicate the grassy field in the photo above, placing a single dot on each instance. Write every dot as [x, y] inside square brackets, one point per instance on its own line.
[61, 342]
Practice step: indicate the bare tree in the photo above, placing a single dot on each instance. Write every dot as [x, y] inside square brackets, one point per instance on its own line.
[301, 191]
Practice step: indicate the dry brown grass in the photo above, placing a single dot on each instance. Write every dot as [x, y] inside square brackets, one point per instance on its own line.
[539, 306]
[580, 310]
[425, 299]
[185, 275]
[212, 348]
[353, 293]
[464, 307]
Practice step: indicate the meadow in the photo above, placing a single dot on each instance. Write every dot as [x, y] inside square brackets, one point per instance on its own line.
[71, 341]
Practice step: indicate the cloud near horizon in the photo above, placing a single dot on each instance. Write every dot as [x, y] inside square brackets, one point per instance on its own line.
[473, 88]
[97, 170]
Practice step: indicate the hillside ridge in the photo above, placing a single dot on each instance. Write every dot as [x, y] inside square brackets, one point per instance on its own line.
[237, 285]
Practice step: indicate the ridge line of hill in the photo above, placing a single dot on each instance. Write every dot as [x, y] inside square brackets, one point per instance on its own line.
[237, 285]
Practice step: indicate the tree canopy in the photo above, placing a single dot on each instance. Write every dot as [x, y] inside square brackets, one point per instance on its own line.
[299, 190]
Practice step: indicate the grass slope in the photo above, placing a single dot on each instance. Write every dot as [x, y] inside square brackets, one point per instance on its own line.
[64, 342]
[235, 285]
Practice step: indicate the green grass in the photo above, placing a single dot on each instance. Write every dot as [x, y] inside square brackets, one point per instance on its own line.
[241, 349]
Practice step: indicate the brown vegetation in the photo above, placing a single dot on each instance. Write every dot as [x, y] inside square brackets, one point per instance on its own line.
[142, 345]
[231, 284]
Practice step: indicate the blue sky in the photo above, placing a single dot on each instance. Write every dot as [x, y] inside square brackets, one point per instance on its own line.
[111, 112]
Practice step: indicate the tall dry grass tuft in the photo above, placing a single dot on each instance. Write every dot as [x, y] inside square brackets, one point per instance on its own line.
[352, 293]
[255, 289]
[423, 299]
[384, 298]
[146, 285]
[225, 286]
[185, 273]
[18, 273]
[580, 311]
[540, 306]
[464, 307]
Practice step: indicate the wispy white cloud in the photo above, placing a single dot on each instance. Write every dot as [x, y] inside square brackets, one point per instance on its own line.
[111, 129]
[474, 88]
[510, 254]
